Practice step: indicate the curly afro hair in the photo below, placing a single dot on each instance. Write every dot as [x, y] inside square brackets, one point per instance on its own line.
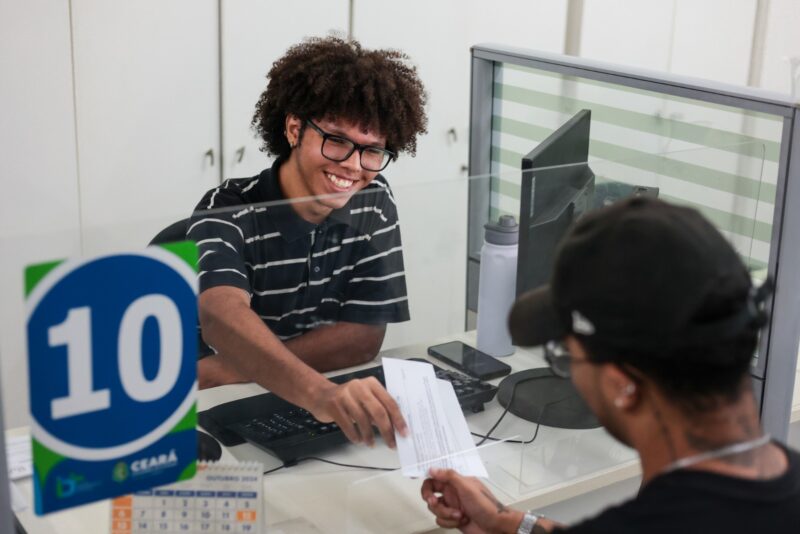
[330, 77]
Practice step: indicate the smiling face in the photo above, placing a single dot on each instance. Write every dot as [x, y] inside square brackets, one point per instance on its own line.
[308, 173]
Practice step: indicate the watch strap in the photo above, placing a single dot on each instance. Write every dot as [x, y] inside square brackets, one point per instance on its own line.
[528, 522]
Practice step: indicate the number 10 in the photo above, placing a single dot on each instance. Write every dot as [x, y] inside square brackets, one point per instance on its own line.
[76, 333]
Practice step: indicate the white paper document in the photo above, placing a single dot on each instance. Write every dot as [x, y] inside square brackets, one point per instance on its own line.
[19, 457]
[438, 433]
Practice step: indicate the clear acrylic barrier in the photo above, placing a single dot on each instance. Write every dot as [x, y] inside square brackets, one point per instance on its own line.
[740, 204]
[718, 156]
[726, 184]
[579, 457]
[435, 223]
[391, 503]
[434, 220]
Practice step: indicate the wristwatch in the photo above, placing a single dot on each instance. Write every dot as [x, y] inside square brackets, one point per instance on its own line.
[528, 522]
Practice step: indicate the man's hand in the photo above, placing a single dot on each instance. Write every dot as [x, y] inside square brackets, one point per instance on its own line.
[356, 406]
[251, 350]
[465, 503]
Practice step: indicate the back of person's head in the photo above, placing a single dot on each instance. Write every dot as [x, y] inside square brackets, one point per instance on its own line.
[335, 78]
[699, 375]
[657, 289]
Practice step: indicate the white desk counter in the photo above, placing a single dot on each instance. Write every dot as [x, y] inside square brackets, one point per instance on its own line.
[317, 497]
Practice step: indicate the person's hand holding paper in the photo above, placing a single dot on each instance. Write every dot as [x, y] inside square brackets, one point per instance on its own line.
[438, 437]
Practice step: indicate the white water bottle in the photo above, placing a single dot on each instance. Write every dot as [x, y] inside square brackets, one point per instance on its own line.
[497, 286]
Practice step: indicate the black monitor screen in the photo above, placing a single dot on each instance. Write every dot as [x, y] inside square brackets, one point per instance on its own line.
[557, 188]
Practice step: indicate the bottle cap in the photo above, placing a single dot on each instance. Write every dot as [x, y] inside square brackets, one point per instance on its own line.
[503, 232]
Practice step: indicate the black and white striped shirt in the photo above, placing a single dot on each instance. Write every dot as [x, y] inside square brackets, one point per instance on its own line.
[301, 275]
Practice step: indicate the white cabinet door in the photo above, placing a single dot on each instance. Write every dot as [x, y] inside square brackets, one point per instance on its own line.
[711, 39]
[438, 36]
[39, 200]
[519, 23]
[431, 188]
[781, 61]
[434, 35]
[714, 39]
[255, 33]
[638, 34]
[147, 105]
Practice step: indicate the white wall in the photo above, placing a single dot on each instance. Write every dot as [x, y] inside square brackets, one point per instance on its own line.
[147, 109]
[520, 23]
[708, 39]
[248, 52]
[638, 33]
[781, 60]
[39, 205]
[431, 188]
[713, 39]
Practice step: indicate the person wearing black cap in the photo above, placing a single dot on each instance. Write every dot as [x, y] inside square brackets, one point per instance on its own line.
[653, 316]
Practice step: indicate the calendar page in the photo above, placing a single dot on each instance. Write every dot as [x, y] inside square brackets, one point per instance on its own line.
[222, 497]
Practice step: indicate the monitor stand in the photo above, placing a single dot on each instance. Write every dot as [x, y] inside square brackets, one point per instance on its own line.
[541, 397]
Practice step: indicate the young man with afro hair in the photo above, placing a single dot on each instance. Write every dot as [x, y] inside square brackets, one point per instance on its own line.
[301, 266]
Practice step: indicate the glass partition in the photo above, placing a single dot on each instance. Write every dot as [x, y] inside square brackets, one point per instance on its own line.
[735, 217]
[389, 502]
[721, 159]
[725, 150]
[426, 229]
[395, 255]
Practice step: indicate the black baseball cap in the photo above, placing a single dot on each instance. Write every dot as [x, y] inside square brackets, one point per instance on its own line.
[636, 275]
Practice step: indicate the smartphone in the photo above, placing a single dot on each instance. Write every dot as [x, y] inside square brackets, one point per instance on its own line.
[469, 360]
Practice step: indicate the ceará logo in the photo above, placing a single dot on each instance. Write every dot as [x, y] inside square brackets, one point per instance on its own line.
[143, 466]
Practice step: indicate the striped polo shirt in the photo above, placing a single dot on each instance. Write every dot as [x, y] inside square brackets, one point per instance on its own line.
[301, 275]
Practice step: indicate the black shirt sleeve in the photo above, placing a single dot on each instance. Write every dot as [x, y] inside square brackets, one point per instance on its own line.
[215, 228]
[376, 291]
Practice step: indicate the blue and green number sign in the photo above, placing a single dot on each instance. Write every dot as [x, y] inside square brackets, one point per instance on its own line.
[112, 344]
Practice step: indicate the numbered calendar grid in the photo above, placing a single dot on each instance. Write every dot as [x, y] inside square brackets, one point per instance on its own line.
[229, 502]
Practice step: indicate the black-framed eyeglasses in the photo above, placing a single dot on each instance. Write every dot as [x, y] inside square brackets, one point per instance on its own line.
[338, 148]
[559, 359]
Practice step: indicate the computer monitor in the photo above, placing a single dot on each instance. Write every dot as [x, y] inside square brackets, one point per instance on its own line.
[557, 188]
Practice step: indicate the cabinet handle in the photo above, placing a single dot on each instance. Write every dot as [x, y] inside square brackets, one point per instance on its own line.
[240, 154]
[451, 133]
[210, 155]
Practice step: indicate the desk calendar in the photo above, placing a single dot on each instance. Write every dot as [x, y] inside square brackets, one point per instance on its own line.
[220, 498]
